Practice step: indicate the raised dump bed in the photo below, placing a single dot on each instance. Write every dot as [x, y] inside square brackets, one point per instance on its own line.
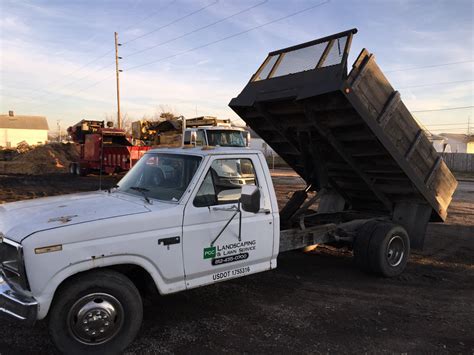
[347, 133]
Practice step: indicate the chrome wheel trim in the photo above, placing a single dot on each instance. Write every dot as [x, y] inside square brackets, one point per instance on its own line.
[95, 318]
[395, 250]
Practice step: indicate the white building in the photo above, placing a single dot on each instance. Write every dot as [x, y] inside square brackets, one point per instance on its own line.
[259, 144]
[15, 129]
[440, 143]
[460, 143]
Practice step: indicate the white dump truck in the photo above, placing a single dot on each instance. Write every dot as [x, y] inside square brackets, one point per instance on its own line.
[188, 217]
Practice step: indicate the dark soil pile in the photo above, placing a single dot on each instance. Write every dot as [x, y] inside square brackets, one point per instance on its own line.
[45, 159]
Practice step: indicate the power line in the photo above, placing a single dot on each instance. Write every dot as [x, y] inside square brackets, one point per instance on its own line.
[447, 124]
[112, 50]
[103, 67]
[444, 109]
[79, 91]
[447, 129]
[45, 92]
[230, 36]
[172, 22]
[428, 66]
[83, 66]
[198, 29]
[92, 61]
[151, 15]
[209, 43]
[79, 79]
[435, 84]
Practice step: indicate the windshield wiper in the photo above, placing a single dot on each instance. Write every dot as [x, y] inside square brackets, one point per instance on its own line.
[143, 191]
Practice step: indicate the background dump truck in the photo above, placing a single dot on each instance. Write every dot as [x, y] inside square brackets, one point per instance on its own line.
[102, 148]
[349, 136]
[198, 131]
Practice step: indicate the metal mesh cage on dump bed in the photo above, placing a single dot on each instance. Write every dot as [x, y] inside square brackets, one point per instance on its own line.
[350, 133]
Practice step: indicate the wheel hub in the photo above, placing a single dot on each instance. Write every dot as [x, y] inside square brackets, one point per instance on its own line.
[395, 250]
[95, 318]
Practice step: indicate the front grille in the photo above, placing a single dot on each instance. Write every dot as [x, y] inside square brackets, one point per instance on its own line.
[11, 264]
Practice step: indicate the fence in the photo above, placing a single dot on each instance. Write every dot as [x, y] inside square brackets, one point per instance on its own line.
[460, 162]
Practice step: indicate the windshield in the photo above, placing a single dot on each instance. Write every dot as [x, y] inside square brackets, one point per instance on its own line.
[160, 176]
[225, 138]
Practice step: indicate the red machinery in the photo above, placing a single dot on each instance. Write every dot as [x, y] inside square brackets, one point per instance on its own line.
[101, 147]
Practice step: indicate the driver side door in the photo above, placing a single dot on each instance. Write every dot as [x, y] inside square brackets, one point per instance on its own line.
[216, 246]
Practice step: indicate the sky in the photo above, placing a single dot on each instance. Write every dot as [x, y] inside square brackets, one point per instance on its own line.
[193, 57]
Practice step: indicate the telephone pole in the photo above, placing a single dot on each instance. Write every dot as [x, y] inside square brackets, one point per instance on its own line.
[59, 130]
[117, 71]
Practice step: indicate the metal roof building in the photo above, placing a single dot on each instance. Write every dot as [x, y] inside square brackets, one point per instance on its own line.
[15, 129]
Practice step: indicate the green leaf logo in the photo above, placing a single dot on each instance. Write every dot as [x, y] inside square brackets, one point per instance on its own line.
[209, 253]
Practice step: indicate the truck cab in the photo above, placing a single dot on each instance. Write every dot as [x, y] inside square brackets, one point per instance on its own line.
[175, 220]
[217, 136]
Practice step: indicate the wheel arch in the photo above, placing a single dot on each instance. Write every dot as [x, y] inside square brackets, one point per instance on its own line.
[138, 269]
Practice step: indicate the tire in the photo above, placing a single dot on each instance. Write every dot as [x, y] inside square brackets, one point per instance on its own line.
[77, 169]
[361, 245]
[72, 168]
[389, 249]
[99, 312]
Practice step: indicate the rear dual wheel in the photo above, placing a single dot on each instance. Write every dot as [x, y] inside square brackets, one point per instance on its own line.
[382, 248]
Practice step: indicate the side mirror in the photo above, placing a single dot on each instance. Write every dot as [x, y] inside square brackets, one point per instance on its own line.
[250, 198]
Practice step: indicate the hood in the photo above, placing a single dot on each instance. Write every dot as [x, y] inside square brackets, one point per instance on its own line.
[20, 219]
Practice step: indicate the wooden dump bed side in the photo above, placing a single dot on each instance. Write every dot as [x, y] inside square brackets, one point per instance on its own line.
[350, 133]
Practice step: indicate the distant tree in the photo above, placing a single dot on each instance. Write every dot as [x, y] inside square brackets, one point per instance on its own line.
[165, 113]
[167, 116]
[127, 123]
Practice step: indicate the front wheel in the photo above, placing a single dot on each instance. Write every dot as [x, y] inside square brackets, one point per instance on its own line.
[99, 313]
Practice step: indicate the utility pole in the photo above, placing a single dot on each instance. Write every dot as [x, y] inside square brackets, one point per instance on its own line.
[59, 130]
[117, 71]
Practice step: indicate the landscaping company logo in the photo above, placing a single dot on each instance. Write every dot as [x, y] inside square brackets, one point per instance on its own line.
[209, 253]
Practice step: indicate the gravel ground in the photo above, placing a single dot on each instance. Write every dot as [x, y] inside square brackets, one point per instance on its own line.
[312, 303]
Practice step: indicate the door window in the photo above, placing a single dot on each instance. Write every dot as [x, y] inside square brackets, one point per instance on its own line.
[187, 137]
[200, 138]
[223, 182]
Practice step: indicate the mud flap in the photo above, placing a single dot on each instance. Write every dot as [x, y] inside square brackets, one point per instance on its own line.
[414, 217]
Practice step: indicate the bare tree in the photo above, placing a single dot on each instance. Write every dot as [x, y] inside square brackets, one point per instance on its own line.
[127, 123]
[165, 113]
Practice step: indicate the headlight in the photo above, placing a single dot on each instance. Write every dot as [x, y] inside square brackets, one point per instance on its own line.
[11, 264]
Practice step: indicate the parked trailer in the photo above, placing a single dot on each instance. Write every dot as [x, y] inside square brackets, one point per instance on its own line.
[349, 136]
[102, 148]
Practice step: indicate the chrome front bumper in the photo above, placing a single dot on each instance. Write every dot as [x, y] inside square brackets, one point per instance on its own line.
[16, 306]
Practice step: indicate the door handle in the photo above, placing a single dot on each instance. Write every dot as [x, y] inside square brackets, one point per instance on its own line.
[169, 241]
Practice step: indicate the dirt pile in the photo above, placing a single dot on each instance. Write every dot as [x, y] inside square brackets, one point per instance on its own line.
[45, 159]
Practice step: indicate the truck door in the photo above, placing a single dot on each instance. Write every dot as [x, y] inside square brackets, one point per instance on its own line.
[213, 247]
